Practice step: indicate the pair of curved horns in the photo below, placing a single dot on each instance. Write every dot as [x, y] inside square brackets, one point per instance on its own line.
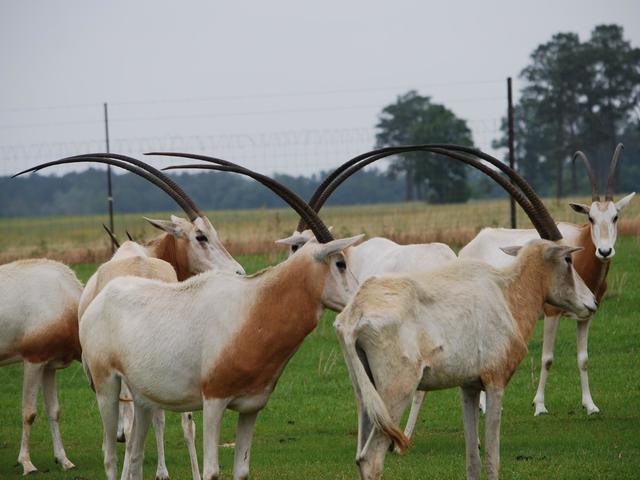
[613, 165]
[611, 178]
[153, 175]
[306, 213]
[526, 196]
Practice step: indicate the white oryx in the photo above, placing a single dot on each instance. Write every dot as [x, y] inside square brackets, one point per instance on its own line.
[39, 327]
[215, 341]
[380, 255]
[466, 324]
[186, 248]
[597, 240]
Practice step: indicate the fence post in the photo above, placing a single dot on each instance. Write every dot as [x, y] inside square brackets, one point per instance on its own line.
[109, 193]
[512, 160]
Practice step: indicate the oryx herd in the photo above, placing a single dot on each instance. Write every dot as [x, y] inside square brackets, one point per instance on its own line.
[176, 324]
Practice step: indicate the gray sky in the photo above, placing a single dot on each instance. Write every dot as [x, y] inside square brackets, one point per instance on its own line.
[281, 85]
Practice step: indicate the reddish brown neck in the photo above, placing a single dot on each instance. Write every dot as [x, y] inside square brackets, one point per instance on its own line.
[173, 251]
[589, 267]
[527, 291]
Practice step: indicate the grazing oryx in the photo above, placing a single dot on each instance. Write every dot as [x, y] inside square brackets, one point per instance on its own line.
[39, 327]
[466, 324]
[215, 341]
[187, 247]
[597, 239]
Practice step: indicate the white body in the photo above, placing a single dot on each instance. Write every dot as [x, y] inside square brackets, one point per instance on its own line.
[39, 327]
[465, 324]
[378, 256]
[215, 341]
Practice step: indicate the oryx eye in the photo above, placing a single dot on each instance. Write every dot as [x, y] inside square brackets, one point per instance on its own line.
[342, 266]
[295, 248]
[568, 260]
[201, 237]
[615, 219]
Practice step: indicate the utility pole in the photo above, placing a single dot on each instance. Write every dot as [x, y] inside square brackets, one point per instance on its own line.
[109, 192]
[512, 159]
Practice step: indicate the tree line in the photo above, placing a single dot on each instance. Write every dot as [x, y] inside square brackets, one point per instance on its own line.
[85, 192]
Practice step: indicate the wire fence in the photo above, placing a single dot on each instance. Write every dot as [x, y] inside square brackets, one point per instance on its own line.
[307, 145]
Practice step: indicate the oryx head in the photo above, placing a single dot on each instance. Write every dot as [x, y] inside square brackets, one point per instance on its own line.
[603, 215]
[563, 286]
[198, 245]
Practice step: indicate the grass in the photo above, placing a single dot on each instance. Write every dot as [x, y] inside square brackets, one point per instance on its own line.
[308, 428]
[80, 239]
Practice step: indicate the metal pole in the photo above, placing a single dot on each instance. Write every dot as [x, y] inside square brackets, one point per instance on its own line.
[109, 192]
[512, 160]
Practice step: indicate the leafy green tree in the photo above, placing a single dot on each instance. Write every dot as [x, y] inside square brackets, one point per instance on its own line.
[576, 95]
[612, 94]
[416, 119]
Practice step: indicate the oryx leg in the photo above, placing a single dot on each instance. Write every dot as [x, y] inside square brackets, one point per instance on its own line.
[32, 379]
[471, 415]
[189, 433]
[583, 360]
[495, 394]
[242, 455]
[548, 345]
[158, 427]
[396, 392]
[53, 412]
[142, 417]
[107, 393]
[482, 403]
[125, 415]
[213, 410]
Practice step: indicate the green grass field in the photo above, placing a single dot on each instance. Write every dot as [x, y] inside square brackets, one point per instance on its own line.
[308, 430]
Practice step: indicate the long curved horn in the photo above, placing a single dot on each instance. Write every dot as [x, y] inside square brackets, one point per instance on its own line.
[152, 170]
[493, 174]
[534, 207]
[112, 236]
[316, 225]
[184, 204]
[278, 188]
[611, 180]
[592, 178]
[214, 160]
[538, 208]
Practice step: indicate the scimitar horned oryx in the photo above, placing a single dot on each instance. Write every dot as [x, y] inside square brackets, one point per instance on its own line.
[186, 248]
[217, 340]
[597, 239]
[466, 324]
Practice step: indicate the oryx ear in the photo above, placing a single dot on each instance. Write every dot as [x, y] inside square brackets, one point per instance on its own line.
[513, 251]
[623, 202]
[171, 227]
[580, 208]
[295, 239]
[558, 251]
[335, 246]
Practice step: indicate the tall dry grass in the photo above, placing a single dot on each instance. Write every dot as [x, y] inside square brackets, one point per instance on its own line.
[80, 239]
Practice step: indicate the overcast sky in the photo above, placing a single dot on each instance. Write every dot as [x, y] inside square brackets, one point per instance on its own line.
[231, 77]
